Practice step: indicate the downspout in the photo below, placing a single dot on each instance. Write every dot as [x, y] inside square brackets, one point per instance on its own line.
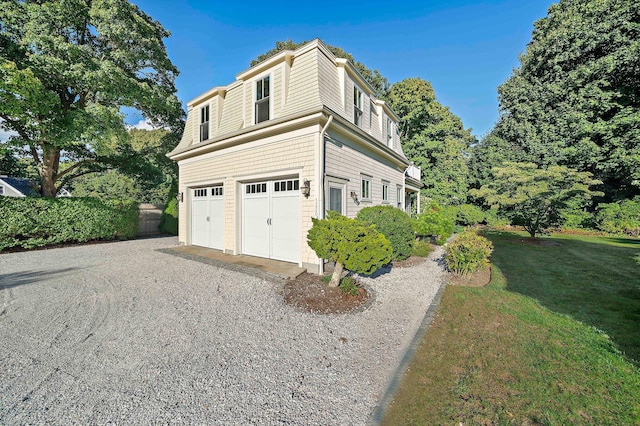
[322, 153]
[323, 167]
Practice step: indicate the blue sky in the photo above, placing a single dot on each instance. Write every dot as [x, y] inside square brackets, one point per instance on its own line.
[464, 48]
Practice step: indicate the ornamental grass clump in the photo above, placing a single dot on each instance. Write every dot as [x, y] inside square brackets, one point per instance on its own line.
[468, 253]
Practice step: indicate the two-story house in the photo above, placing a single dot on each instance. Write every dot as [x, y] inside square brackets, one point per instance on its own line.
[294, 136]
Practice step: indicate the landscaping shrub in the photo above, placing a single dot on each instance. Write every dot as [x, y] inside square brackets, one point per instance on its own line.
[421, 249]
[350, 243]
[468, 252]
[434, 222]
[394, 224]
[37, 222]
[620, 218]
[469, 215]
[169, 219]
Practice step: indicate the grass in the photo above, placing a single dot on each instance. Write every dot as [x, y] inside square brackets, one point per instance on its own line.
[529, 348]
[421, 248]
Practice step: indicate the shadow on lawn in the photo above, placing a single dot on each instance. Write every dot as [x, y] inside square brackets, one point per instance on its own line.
[594, 280]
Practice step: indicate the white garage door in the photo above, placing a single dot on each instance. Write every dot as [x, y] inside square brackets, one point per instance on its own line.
[271, 219]
[207, 217]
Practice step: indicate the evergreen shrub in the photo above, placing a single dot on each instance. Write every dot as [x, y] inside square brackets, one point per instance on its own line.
[37, 222]
[394, 224]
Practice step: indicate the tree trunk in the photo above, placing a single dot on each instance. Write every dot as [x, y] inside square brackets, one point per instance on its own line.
[337, 274]
[49, 171]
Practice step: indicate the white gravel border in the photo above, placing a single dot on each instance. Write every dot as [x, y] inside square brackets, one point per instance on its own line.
[120, 333]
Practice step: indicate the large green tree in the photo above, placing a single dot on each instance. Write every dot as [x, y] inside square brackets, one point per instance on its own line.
[433, 138]
[575, 98]
[67, 67]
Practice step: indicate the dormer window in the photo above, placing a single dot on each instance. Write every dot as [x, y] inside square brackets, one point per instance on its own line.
[204, 123]
[357, 106]
[389, 132]
[262, 100]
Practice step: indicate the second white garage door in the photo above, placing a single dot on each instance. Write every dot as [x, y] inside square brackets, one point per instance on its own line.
[271, 219]
[207, 217]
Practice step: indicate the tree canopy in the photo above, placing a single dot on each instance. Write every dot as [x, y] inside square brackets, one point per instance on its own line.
[575, 98]
[67, 67]
[433, 138]
[534, 197]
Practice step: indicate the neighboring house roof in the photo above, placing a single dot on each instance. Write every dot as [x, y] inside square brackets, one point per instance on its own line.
[21, 186]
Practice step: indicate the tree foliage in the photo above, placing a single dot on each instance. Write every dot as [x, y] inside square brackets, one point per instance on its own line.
[575, 98]
[534, 197]
[379, 83]
[67, 67]
[433, 138]
[350, 243]
[394, 224]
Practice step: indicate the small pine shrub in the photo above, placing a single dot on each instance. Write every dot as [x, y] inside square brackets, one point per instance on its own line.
[468, 253]
[394, 224]
[436, 222]
[350, 243]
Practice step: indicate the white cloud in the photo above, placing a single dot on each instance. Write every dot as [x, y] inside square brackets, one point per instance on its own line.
[142, 125]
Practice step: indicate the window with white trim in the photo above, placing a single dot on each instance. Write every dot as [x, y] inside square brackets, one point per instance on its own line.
[262, 100]
[365, 187]
[399, 197]
[217, 191]
[204, 123]
[389, 132]
[256, 188]
[1, 189]
[385, 191]
[357, 106]
[200, 192]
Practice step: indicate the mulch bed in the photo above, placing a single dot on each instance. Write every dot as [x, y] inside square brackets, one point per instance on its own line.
[309, 293]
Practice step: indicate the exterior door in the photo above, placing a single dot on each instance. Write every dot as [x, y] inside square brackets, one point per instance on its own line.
[271, 219]
[207, 217]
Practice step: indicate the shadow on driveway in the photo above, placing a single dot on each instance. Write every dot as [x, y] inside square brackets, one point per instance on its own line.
[29, 277]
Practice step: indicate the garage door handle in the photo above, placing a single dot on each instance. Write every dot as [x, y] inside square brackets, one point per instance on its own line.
[269, 221]
[208, 219]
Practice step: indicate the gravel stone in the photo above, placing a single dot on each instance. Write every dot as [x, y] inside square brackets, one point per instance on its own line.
[122, 333]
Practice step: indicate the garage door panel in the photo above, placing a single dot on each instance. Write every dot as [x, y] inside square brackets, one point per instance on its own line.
[271, 219]
[255, 227]
[285, 228]
[217, 223]
[200, 223]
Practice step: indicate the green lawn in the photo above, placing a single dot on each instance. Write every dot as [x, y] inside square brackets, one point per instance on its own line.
[519, 352]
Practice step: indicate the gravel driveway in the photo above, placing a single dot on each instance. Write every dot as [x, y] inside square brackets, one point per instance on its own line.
[120, 333]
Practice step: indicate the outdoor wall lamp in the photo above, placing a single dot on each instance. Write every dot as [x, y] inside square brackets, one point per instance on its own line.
[180, 196]
[354, 196]
[306, 188]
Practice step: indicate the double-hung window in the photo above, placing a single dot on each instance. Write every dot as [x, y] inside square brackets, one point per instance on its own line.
[204, 123]
[365, 188]
[385, 191]
[262, 100]
[357, 106]
[389, 132]
[399, 197]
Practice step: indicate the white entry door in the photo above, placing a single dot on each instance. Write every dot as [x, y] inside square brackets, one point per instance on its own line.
[271, 219]
[207, 217]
